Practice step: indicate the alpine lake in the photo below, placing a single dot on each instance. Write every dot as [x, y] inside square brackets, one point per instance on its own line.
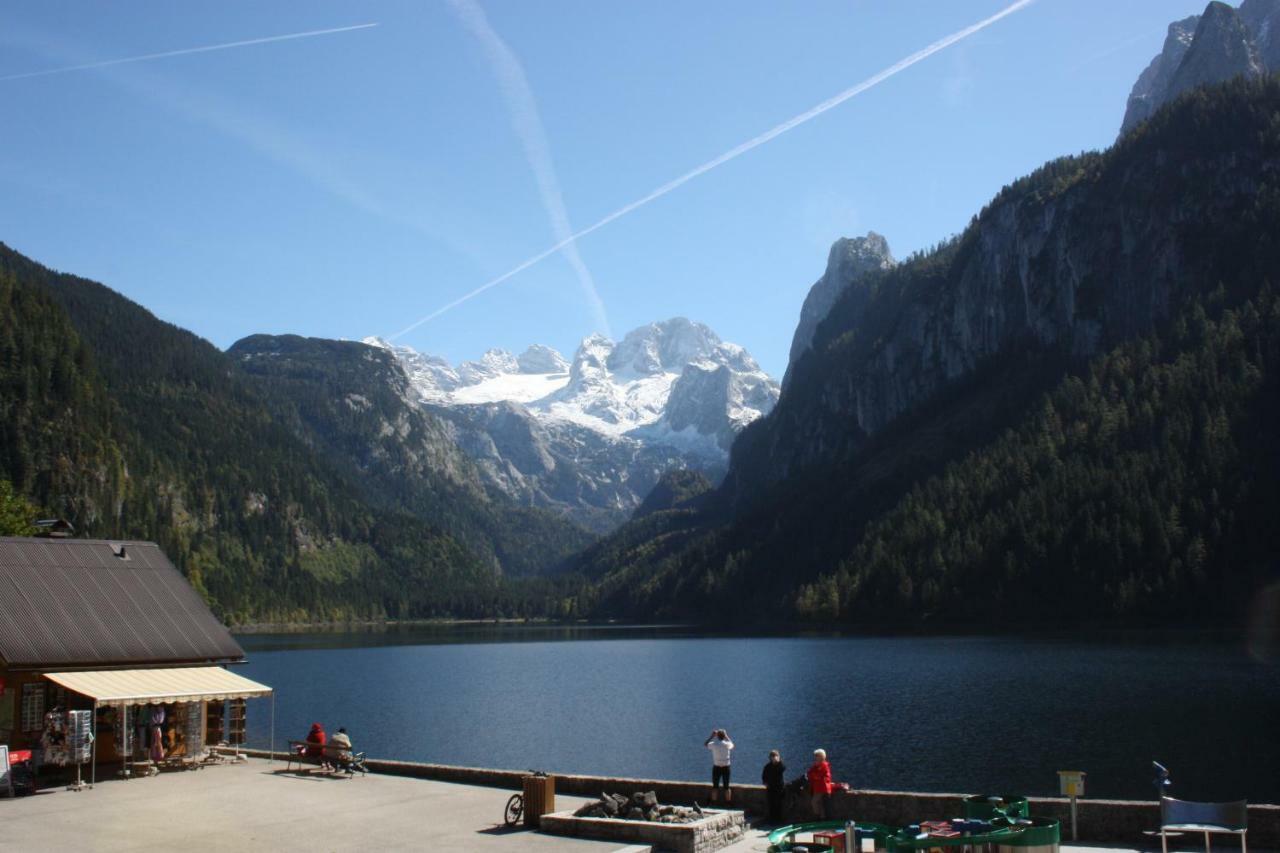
[953, 714]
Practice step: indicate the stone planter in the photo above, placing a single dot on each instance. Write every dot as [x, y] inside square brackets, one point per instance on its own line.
[718, 829]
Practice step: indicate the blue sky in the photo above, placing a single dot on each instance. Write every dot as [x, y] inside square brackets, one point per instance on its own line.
[350, 184]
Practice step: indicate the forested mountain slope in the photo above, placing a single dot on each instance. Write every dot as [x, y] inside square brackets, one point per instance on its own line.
[354, 405]
[946, 359]
[132, 427]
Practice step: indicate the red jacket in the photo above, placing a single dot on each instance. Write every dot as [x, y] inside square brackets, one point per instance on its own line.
[820, 778]
[316, 739]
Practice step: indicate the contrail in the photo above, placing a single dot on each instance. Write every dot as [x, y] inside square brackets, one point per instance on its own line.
[186, 51]
[533, 137]
[733, 153]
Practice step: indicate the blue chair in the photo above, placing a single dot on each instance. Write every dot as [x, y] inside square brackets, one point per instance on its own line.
[1185, 816]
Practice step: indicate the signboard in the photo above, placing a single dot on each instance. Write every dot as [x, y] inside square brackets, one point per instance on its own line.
[1071, 783]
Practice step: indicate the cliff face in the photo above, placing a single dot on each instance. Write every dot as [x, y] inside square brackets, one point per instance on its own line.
[850, 263]
[1085, 253]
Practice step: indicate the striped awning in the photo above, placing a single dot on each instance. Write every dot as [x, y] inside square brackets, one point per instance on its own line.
[154, 686]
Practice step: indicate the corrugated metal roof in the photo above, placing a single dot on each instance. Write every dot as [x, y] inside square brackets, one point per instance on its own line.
[172, 684]
[78, 602]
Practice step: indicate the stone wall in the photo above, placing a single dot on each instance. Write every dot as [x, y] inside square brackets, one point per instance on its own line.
[1122, 821]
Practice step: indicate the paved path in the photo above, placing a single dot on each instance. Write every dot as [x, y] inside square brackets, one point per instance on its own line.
[251, 806]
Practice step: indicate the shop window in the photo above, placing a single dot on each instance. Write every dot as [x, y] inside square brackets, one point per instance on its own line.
[32, 707]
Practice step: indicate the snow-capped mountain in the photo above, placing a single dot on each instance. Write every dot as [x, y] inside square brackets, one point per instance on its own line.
[595, 434]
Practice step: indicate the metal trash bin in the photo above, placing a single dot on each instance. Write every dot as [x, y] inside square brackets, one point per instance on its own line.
[539, 798]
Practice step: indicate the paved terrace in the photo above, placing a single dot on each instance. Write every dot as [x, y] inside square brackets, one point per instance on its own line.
[257, 806]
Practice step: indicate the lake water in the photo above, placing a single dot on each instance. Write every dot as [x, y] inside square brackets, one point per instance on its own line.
[931, 714]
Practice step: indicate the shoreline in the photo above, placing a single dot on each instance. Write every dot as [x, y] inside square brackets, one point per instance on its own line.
[376, 626]
[1100, 820]
[1047, 633]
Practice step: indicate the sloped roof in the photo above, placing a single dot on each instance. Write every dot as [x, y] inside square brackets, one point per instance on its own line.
[86, 602]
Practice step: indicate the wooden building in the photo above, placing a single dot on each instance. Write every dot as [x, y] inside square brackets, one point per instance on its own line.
[114, 629]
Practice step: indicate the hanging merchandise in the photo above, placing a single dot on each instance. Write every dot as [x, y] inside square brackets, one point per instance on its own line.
[140, 740]
[235, 723]
[193, 735]
[123, 730]
[79, 736]
[53, 740]
[215, 714]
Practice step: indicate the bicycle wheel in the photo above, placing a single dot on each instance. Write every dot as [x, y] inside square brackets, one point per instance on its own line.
[514, 810]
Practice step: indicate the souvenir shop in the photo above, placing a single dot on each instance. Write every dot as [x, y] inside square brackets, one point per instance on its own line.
[130, 671]
[146, 720]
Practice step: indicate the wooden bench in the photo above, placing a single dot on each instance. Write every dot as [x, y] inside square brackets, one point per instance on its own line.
[329, 759]
[1179, 816]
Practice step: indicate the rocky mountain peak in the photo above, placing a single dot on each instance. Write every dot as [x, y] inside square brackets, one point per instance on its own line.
[495, 362]
[542, 359]
[850, 260]
[1149, 91]
[664, 347]
[1212, 47]
[1221, 48]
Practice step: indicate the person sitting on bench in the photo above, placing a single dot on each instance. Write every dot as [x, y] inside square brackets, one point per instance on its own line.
[340, 748]
[315, 742]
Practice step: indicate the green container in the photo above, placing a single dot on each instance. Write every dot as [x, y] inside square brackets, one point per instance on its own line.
[987, 806]
[1033, 832]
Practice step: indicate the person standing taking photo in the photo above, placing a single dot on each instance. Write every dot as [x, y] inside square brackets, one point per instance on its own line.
[720, 747]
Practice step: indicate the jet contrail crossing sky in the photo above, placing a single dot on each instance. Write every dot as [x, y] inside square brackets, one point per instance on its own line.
[186, 51]
[731, 154]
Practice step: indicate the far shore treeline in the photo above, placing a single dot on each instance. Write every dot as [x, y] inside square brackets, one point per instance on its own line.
[1132, 482]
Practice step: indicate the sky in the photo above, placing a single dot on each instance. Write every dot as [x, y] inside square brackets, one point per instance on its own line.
[352, 183]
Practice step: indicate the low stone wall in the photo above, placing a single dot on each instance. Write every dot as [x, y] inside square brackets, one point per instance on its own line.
[1099, 821]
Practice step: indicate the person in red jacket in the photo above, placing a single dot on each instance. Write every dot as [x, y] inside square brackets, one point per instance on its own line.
[820, 786]
[315, 741]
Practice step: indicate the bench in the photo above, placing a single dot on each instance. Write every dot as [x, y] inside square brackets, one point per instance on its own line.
[330, 757]
[1186, 816]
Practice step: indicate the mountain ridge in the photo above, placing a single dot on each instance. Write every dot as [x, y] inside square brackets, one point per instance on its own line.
[954, 346]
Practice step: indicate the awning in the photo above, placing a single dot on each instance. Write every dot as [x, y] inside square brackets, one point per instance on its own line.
[153, 686]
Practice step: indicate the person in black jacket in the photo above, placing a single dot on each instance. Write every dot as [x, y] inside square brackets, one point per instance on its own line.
[774, 787]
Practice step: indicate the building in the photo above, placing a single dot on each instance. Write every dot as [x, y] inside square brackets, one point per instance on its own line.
[114, 629]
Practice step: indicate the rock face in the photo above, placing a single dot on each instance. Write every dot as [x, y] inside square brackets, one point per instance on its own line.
[591, 437]
[1262, 17]
[849, 263]
[596, 480]
[714, 399]
[1215, 46]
